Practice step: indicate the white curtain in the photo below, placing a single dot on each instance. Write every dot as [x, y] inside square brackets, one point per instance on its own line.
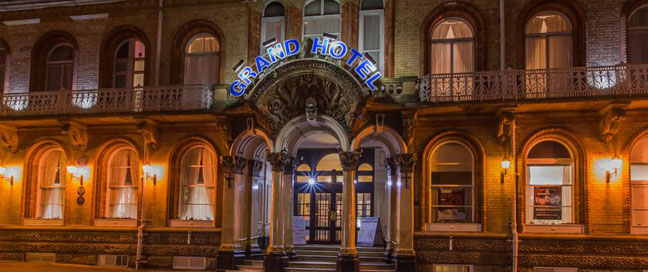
[202, 60]
[51, 181]
[197, 185]
[371, 37]
[122, 185]
[318, 25]
[272, 27]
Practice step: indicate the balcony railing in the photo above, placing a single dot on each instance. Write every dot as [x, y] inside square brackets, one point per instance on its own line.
[521, 85]
[127, 100]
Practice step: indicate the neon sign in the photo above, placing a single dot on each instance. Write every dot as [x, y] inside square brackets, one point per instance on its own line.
[360, 65]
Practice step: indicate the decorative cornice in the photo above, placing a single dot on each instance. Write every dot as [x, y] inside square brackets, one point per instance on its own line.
[277, 160]
[148, 129]
[350, 160]
[227, 164]
[9, 137]
[77, 134]
[406, 162]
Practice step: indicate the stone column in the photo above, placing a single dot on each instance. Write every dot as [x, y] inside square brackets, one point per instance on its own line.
[246, 205]
[405, 258]
[347, 260]
[289, 171]
[256, 204]
[241, 177]
[225, 257]
[273, 260]
[393, 172]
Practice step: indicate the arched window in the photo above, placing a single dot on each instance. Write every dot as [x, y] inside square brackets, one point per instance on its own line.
[638, 36]
[549, 184]
[365, 173]
[303, 173]
[639, 184]
[452, 184]
[4, 56]
[130, 59]
[197, 184]
[272, 23]
[329, 168]
[202, 57]
[548, 41]
[372, 30]
[321, 16]
[51, 185]
[59, 68]
[121, 191]
[452, 47]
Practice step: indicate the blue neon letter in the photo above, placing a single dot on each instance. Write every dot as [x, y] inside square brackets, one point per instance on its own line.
[338, 50]
[276, 53]
[354, 56]
[237, 88]
[291, 51]
[364, 69]
[246, 74]
[261, 63]
[370, 82]
[321, 47]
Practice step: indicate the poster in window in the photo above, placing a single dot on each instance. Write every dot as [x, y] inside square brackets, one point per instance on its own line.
[547, 202]
[452, 197]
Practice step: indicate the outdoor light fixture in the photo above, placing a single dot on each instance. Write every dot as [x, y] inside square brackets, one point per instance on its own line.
[2, 175]
[389, 183]
[613, 168]
[506, 165]
[311, 181]
[76, 173]
[149, 173]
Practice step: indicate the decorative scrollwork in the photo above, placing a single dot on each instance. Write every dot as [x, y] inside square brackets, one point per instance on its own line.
[77, 134]
[350, 160]
[9, 137]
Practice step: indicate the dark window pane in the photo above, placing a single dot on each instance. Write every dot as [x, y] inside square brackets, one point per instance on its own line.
[331, 7]
[122, 53]
[274, 9]
[372, 4]
[62, 53]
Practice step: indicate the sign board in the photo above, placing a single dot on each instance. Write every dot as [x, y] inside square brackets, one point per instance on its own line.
[367, 233]
[299, 230]
[361, 66]
[547, 202]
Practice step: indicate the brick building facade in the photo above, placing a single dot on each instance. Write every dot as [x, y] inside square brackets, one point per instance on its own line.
[487, 132]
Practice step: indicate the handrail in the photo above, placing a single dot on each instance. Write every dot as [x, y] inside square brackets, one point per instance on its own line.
[120, 100]
[524, 85]
[248, 238]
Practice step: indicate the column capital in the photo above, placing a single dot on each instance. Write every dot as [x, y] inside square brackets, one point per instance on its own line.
[290, 164]
[406, 162]
[256, 167]
[277, 160]
[240, 165]
[227, 163]
[392, 165]
[350, 160]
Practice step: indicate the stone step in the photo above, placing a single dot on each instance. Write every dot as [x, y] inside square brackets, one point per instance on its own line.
[321, 264]
[257, 263]
[337, 248]
[335, 253]
[249, 268]
[333, 258]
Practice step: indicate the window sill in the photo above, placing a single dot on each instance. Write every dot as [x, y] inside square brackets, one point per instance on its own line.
[115, 222]
[177, 223]
[43, 222]
[639, 230]
[565, 228]
[453, 227]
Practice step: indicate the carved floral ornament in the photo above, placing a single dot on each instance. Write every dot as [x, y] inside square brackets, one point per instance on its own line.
[326, 88]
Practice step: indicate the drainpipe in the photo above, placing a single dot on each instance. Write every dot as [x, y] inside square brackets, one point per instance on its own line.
[142, 217]
[158, 45]
[502, 36]
[514, 218]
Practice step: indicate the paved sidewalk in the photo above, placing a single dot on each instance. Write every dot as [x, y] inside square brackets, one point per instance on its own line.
[6, 266]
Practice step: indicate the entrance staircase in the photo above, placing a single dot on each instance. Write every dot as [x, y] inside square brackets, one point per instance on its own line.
[321, 258]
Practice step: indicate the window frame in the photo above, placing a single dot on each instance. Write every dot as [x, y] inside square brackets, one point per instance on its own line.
[272, 19]
[432, 207]
[108, 201]
[451, 42]
[547, 37]
[635, 29]
[320, 16]
[202, 55]
[39, 186]
[60, 63]
[181, 186]
[381, 50]
[130, 64]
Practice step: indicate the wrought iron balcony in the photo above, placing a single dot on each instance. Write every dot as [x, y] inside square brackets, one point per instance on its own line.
[526, 85]
[127, 100]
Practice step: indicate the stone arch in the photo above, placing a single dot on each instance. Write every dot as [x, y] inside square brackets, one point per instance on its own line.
[30, 168]
[298, 129]
[471, 142]
[111, 44]
[571, 142]
[40, 52]
[104, 152]
[281, 95]
[248, 143]
[388, 138]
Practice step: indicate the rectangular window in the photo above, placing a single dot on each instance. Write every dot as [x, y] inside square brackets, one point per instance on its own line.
[549, 195]
[451, 196]
[372, 35]
[452, 268]
[272, 27]
[639, 183]
[316, 26]
[364, 205]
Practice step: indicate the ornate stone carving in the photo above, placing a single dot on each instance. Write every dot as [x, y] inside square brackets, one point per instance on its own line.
[408, 128]
[257, 168]
[406, 162]
[277, 160]
[289, 91]
[290, 164]
[227, 164]
[392, 166]
[148, 129]
[240, 165]
[611, 117]
[9, 137]
[77, 134]
[350, 160]
[505, 121]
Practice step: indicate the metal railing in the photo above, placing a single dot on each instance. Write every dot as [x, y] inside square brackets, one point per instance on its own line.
[520, 85]
[126, 100]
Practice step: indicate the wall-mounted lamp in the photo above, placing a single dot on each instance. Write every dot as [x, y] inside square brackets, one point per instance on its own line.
[149, 172]
[77, 172]
[506, 165]
[613, 168]
[3, 177]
